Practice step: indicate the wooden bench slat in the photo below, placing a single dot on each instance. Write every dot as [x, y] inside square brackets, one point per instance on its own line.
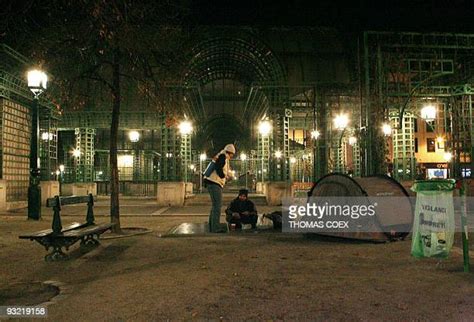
[87, 230]
[70, 200]
[46, 232]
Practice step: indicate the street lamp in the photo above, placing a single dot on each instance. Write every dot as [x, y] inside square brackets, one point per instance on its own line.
[37, 81]
[61, 177]
[202, 158]
[352, 140]
[76, 153]
[243, 158]
[315, 134]
[185, 129]
[447, 156]
[341, 121]
[134, 136]
[264, 128]
[386, 129]
[428, 113]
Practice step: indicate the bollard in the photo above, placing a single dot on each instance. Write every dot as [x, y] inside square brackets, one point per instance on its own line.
[90, 210]
[57, 227]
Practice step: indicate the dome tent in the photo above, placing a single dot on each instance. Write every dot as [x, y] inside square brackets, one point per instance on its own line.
[390, 222]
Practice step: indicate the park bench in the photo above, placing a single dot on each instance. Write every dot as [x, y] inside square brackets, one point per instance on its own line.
[58, 237]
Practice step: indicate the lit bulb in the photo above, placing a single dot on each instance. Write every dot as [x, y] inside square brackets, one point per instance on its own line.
[134, 136]
[447, 156]
[264, 128]
[352, 140]
[315, 134]
[341, 121]
[386, 129]
[428, 113]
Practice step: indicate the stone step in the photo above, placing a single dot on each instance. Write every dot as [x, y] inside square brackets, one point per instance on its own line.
[204, 199]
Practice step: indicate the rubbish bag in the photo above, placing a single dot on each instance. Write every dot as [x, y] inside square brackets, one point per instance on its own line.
[263, 222]
[275, 218]
[433, 226]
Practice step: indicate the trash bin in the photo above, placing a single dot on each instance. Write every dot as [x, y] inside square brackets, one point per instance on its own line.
[433, 226]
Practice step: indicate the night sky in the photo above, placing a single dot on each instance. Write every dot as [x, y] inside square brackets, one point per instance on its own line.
[417, 15]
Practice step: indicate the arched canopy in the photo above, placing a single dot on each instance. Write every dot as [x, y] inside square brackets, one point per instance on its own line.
[240, 57]
[221, 130]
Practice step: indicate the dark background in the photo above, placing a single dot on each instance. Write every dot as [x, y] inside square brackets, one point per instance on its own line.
[416, 15]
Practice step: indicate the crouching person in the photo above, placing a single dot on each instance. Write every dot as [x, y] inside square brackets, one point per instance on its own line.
[241, 211]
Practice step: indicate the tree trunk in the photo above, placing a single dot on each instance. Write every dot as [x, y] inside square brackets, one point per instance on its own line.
[114, 176]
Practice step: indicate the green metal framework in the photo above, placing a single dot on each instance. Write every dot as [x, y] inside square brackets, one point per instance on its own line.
[48, 147]
[16, 125]
[403, 140]
[404, 69]
[84, 161]
[264, 155]
[242, 57]
[170, 149]
[186, 157]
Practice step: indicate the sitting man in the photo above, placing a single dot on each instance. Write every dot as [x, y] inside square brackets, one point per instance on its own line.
[241, 211]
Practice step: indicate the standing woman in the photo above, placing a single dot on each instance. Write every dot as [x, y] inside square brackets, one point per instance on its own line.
[215, 182]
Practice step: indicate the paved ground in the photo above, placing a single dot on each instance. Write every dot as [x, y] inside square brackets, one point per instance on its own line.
[264, 276]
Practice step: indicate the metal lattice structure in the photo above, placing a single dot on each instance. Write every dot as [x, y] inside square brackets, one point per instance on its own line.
[264, 155]
[15, 147]
[16, 100]
[186, 157]
[404, 69]
[403, 138]
[84, 161]
[170, 149]
[48, 147]
[241, 56]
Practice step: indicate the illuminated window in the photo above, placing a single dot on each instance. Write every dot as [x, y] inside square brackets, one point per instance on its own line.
[125, 161]
[430, 145]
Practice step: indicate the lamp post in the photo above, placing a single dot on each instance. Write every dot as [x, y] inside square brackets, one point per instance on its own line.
[448, 156]
[134, 137]
[37, 81]
[341, 121]
[315, 134]
[202, 158]
[61, 177]
[185, 128]
[243, 158]
[264, 128]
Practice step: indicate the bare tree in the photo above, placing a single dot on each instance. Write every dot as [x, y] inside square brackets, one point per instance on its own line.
[99, 44]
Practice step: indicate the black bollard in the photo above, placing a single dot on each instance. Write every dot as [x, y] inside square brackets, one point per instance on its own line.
[57, 227]
[90, 210]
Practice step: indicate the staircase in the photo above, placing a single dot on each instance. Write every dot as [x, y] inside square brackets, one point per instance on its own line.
[203, 199]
